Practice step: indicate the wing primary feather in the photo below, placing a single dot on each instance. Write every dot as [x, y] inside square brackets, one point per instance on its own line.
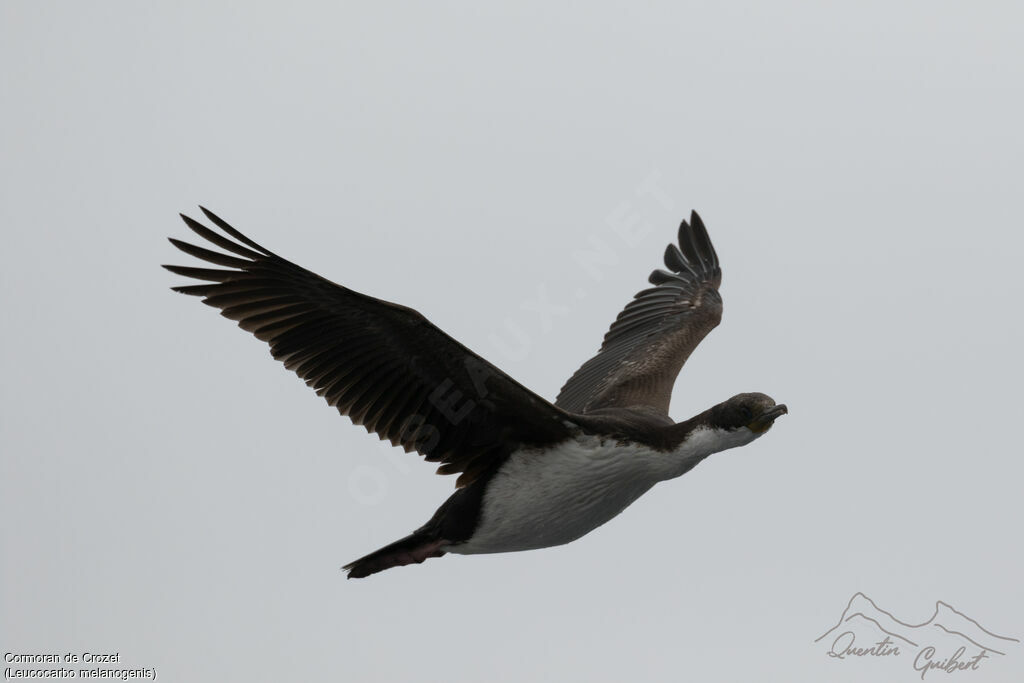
[704, 241]
[210, 256]
[221, 241]
[222, 224]
[208, 274]
[194, 290]
[686, 243]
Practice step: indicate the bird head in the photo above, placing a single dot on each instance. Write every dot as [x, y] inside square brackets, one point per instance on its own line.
[754, 411]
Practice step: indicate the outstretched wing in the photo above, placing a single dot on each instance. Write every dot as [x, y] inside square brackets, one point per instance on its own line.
[655, 333]
[385, 366]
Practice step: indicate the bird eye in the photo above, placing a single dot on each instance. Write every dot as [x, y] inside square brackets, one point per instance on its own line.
[748, 413]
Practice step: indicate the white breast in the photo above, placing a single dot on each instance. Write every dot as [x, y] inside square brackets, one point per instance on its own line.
[540, 499]
[545, 498]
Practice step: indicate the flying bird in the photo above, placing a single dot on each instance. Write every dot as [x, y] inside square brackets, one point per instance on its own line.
[532, 474]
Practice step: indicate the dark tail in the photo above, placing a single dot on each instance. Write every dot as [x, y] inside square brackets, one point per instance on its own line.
[412, 549]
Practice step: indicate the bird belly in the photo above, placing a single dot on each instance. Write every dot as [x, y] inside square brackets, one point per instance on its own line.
[543, 498]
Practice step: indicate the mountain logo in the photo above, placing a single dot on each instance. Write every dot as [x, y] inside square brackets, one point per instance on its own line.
[949, 641]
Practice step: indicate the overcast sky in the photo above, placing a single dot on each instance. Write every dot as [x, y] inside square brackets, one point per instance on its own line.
[170, 493]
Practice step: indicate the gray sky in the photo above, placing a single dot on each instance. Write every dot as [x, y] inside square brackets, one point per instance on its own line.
[169, 492]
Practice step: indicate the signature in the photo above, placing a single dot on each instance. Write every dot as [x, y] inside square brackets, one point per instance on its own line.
[949, 641]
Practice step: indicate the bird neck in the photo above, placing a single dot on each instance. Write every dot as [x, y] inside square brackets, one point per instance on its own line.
[695, 439]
